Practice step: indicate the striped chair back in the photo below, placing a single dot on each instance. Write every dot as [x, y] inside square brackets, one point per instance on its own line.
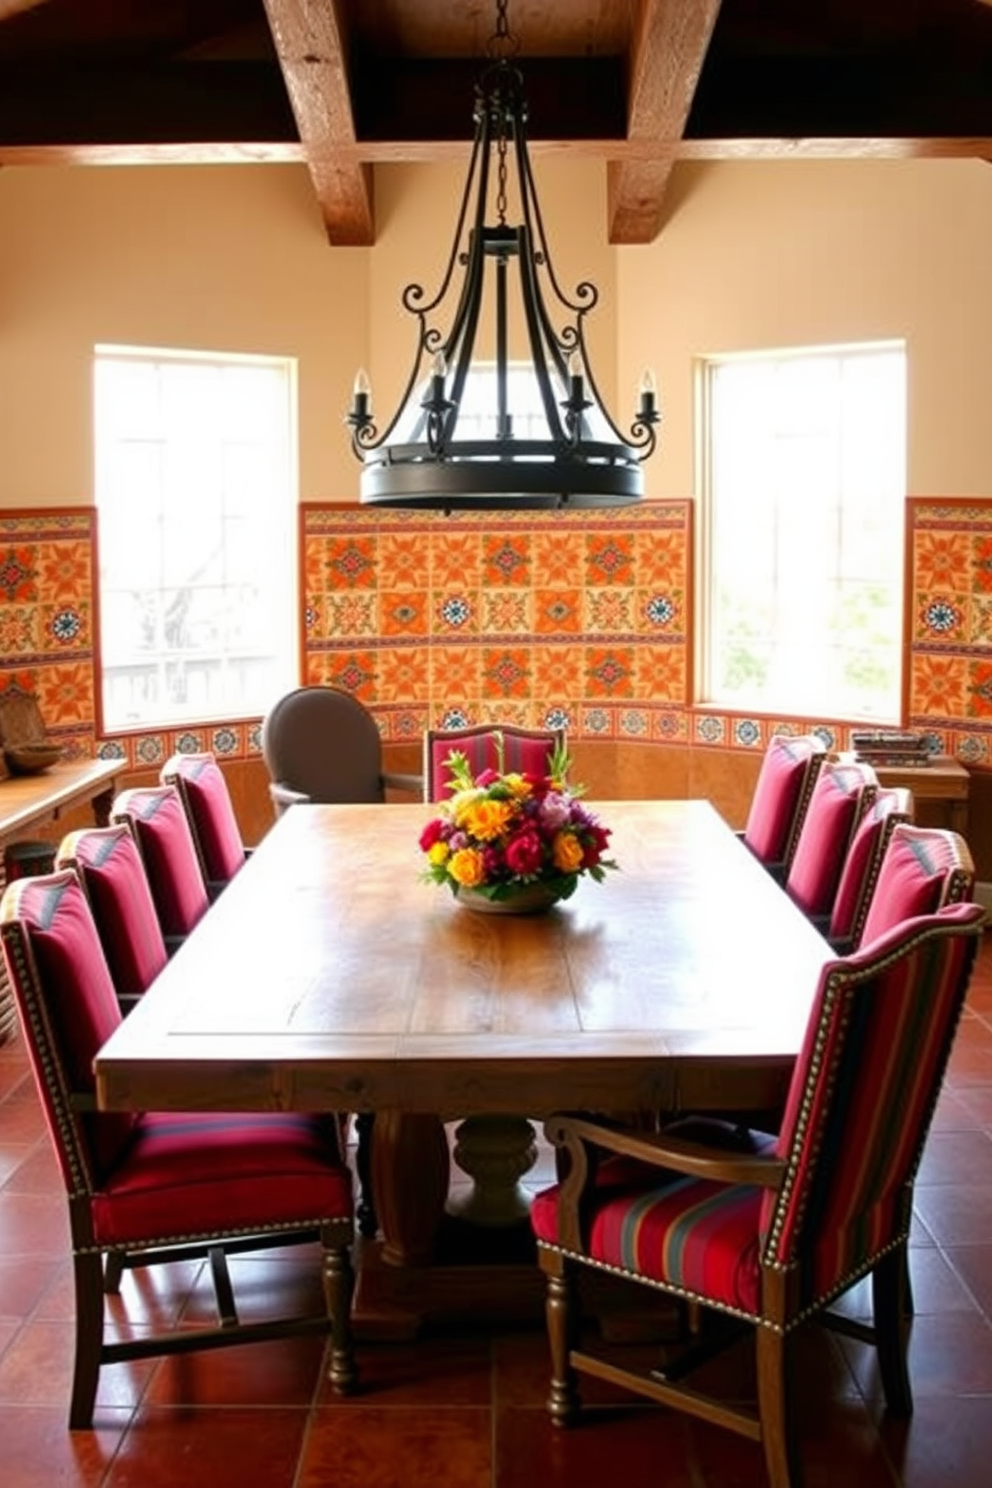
[207, 802]
[157, 819]
[781, 796]
[862, 862]
[923, 869]
[839, 799]
[862, 1097]
[526, 751]
[109, 867]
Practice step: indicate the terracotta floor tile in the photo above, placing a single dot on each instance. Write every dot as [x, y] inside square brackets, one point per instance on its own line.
[973, 1263]
[33, 1225]
[961, 1215]
[949, 1354]
[36, 1369]
[287, 1285]
[26, 1280]
[283, 1372]
[37, 1173]
[12, 1155]
[945, 1442]
[640, 1446]
[955, 1157]
[368, 1446]
[152, 1296]
[209, 1449]
[455, 1371]
[37, 1449]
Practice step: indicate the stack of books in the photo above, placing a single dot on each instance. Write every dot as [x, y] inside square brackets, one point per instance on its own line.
[890, 747]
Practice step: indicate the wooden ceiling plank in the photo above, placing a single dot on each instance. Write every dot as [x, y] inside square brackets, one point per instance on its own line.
[667, 51]
[310, 45]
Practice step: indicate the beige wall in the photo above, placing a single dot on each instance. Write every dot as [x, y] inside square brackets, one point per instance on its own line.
[782, 254]
[235, 259]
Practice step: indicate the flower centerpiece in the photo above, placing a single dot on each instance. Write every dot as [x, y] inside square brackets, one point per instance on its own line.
[513, 842]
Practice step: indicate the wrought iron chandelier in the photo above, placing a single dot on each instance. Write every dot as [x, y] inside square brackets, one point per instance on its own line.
[440, 450]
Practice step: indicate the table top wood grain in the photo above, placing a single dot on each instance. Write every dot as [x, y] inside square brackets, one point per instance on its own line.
[328, 976]
[26, 801]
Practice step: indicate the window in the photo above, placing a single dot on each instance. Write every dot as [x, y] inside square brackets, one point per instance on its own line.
[195, 491]
[801, 548]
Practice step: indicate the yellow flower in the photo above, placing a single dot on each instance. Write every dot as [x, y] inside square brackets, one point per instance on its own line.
[466, 868]
[518, 786]
[567, 852]
[486, 820]
[438, 854]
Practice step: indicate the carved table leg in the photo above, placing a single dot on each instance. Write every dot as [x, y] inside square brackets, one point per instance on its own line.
[496, 1152]
[410, 1166]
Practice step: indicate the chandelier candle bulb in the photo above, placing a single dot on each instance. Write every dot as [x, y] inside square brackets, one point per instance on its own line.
[361, 395]
[648, 408]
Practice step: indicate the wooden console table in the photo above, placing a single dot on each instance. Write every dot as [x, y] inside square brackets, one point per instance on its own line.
[943, 780]
[28, 802]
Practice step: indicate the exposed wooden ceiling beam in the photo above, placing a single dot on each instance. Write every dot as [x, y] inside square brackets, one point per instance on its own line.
[668, 47]
[310, 45]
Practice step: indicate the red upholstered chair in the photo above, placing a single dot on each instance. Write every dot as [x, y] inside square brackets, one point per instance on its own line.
[320, 744]
[840, 796]
[145, 1188]
[861, 864]
[923, 869]
[156, 817]
[210, 812]
[107, 862]
[525, 751]
[771, 1237]
[781, 795]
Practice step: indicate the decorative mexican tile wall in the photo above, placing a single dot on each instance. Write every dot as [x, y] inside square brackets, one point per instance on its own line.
[47, 634]
[444, 619]
[949, 683]
[438, 621]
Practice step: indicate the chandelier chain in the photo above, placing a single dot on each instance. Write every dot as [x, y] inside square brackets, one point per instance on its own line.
[502, 43]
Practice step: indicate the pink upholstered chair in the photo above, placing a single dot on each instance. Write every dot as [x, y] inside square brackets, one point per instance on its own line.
[146, 1188]
[109, 867]
[321, 744]
[156, 817]
[923, 869]
[840, 797]
[210, 812]
[526, 751]
[771, 1237]
[781, 796]
[861, 864]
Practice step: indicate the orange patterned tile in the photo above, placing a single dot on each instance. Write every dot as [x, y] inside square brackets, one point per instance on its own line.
[403, 561]
[455, 671]
[608, 611]
[65, 693]
[507, 611]
[403, 674]
[455, 557]
[557, 612]
[609, 558]
[65, 571]
[403, 613]
[19, 626]
[943, 560]
[939, 686]
[980, 690]
[19, 573]
[557, 558]
[506, 671]
[609, 671]
[506, 559]
[659, 673]
[558, 673]
[351, 561]
[939, 618]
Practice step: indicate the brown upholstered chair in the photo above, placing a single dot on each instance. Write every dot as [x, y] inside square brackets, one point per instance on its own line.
[156, 816]
[861, 864]
[146, 1188]
[109, 867]
[321, 744]
[781, 796]
[526, 751]
[210, 812]
[768, 1239]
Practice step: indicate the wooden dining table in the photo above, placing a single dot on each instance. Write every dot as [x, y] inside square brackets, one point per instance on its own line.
[329, 977]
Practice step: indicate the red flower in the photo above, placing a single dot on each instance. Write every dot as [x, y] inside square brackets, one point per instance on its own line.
[523, 853]
[595, 842]
[487, 777]
[433, 831]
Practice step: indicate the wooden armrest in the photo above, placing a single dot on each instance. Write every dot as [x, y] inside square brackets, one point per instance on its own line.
[666, 1150]
[412, 783]
[284, 795]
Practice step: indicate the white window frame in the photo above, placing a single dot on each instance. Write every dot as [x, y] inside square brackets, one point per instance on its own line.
[802, 518]
[212, 461]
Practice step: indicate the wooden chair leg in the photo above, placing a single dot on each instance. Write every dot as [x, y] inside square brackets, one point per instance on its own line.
[339, 1287]
[89, 1282]
[561, 1313]
[780, 1454]
[888, 1283]
[113, 1270]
